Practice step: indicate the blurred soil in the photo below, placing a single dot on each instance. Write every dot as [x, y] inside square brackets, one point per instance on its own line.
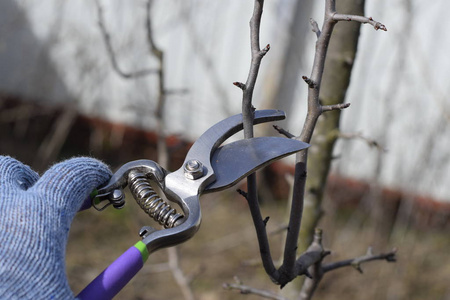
[225, 247]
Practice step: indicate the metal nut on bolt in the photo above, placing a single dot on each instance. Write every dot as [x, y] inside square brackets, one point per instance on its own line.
[117, 199]
[193, 169]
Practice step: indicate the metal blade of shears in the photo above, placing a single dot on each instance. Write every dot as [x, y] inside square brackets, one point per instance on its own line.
[234, 161]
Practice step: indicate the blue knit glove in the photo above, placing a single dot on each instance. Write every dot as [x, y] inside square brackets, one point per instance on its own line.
[35, 217]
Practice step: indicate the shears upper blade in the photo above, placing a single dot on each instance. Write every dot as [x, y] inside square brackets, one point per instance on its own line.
[234, 161]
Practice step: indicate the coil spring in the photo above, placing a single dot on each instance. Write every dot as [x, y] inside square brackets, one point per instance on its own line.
[150, 201]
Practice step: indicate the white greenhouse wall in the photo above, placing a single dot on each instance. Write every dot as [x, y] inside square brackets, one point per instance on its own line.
[399, 91]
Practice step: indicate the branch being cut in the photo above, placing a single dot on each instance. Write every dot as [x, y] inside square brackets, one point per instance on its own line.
[248, 117]
[257, 55]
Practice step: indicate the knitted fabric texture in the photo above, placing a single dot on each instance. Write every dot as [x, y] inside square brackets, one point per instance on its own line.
[35, 217]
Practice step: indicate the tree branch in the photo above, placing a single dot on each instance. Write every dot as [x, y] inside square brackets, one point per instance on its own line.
[283, 132]
[356, 262]
[181, 279]
[364, 20]
[313, 113]
[310, 262]
[159, 54]
[244, 289]
[315, 27]
[248, 115]
[110, 50]
[370, 142]
[339, 106]
[315, 109]
[314, 269]
[257, 55]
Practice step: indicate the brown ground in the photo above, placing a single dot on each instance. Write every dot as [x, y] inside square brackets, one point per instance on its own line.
[226, 243]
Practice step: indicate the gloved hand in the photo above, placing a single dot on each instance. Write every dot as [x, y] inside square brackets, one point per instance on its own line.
[35, 217]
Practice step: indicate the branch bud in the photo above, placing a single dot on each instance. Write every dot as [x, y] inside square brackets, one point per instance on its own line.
[265, 50]
[311, 84]
[242, 193]
[380, 26]
[240, 85]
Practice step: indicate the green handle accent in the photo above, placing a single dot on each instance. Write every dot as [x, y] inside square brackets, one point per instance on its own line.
[93, 194]
[143, 249]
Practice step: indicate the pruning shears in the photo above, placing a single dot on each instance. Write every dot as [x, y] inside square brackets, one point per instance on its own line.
[208, 167]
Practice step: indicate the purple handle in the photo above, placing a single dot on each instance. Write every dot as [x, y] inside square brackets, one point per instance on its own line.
[117, 275]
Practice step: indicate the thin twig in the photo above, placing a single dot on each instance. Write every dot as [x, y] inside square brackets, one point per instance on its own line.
[283, 132]
[159, 54]
[370, 142]
[111, 53]
[339, 106]
[247, 290]
[315, 27]
[356, 262]
[244, 289]
[365, 20]
[181, 279]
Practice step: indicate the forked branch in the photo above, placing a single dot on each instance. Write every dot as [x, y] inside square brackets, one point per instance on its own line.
[315, 109]
[292, 266]
[320, 269]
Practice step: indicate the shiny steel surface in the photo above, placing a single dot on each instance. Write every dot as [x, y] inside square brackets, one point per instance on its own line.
[198, 174]
[258, 152]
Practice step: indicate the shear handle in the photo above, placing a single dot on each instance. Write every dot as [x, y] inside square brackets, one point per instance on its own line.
[120, 178]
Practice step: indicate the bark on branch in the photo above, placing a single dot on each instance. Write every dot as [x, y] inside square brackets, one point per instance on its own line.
[356, 262]
[310, 261]
[320, 269]
[364, 20]
[248, 115]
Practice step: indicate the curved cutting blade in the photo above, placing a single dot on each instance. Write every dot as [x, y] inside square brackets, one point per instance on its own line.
[208, 142]
[234, 161]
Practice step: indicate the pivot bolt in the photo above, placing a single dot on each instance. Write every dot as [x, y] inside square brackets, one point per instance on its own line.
[193, 169]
